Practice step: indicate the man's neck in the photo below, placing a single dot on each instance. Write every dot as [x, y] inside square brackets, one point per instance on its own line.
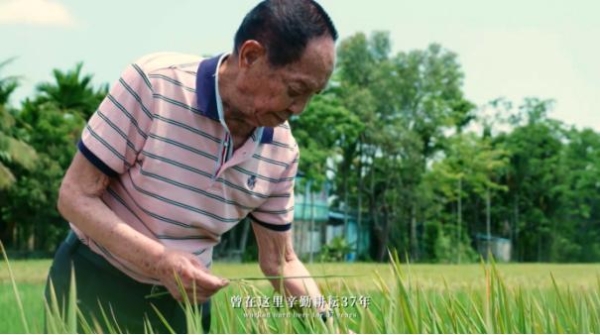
[238, 127]
[236, 120]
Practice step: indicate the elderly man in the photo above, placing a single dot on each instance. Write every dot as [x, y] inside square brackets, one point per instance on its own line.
[179, 152]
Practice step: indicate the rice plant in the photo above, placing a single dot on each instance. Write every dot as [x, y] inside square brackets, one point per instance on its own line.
[392, 300]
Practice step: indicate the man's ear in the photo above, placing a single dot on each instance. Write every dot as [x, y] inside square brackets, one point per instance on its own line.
[250, 52]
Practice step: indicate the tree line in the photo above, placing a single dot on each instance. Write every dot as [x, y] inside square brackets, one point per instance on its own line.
[405, 153]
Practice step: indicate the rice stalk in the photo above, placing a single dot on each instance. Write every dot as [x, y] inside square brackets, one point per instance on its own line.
[15, 290]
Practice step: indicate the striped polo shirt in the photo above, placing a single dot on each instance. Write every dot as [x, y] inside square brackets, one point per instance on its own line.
[160, 135]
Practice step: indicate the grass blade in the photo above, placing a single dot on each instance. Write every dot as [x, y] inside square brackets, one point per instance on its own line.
[15, 290]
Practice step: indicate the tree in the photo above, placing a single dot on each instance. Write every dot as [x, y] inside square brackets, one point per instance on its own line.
[579, 239]
[33, 197]
[319, 131]
[72, 91]
[7, 84]
[15, 154]
[51, 122]
[469, 162]
[535, 180]
[406, 102]
[13, 150]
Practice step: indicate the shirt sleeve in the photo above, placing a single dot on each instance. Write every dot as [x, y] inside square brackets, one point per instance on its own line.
[277, 212]
[117, 131]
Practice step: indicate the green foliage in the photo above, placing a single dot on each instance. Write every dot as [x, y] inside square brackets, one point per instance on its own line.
[45, 132]
[71, 91]
[33, 198]
[318, 132]
[579, 237]
[535, 180]
[416, 160]
[336, 250]
[14, 152]
[472, 160]
[7, 84]
[407, 102]
[448, 248]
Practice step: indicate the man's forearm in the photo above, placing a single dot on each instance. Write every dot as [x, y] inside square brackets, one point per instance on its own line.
[305, 287]
[277, 259]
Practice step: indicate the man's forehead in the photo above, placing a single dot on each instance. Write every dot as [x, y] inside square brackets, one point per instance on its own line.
[312, 81]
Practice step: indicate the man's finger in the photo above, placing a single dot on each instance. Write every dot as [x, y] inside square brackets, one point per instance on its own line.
[211, 282]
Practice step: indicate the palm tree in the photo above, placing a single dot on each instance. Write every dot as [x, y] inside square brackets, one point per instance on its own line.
[72, 91]
[7, 85]
[13, 151]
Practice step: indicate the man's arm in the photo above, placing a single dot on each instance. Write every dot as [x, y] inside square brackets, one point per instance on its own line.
[276, 257]
[80, 203]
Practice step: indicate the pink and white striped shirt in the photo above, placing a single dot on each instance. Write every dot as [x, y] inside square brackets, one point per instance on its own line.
[160, 135]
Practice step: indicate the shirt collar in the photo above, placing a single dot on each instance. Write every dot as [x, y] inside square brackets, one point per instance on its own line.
[206, 94]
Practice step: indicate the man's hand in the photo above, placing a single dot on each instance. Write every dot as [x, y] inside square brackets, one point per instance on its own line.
[180, 271]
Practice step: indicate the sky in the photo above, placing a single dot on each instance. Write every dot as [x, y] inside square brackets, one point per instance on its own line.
[549, 49]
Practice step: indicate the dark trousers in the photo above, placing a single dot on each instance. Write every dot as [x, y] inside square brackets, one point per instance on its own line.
[124, 300]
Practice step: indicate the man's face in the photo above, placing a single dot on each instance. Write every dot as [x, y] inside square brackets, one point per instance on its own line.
[270, 96]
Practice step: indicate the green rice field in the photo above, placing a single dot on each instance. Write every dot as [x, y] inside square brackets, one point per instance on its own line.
[385, 298]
